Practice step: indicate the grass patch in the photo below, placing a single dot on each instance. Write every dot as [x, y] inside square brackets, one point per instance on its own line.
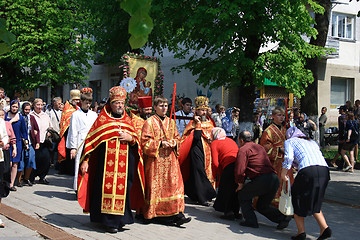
[330, 154]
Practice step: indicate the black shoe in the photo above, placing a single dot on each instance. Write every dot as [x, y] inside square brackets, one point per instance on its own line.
[19, 184]
[111, 230]
[238, 215]
[228, 217]
[205, 204]
[13, 189]
[301, 236]
[326, 234]
[181, 221]
[27, 182]
[44, 181]
[284, 223]
[247, 224]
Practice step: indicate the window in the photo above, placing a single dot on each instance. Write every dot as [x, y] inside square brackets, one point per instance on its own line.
[43, 93]
[96, 87]
[342, 26]
[341, 91]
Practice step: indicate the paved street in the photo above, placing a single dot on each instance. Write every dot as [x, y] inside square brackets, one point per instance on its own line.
[55, 204]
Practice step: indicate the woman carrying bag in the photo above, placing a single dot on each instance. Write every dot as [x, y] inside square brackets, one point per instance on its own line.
[310, 183]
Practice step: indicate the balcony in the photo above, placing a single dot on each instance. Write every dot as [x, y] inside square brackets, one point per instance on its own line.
[332, 43]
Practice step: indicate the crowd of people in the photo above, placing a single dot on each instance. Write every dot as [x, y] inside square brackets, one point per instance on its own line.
[124, 160]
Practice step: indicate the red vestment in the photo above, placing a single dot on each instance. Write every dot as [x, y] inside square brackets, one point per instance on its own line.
[164, 192]
[186, 142]
[68, 110]
[272, 140]
[106, 130]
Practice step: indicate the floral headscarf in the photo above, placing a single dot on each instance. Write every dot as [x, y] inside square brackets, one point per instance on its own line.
[218, 133]
[294, 132]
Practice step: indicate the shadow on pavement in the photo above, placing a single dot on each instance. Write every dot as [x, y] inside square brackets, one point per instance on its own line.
[55, 194]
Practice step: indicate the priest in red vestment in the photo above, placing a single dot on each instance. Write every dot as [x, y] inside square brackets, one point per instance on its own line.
[272, 140]
[66, 163]
[195, 155]
[111, 177]
[164, 192]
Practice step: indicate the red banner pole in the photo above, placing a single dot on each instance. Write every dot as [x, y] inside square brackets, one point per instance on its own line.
[173, 103]
[286, 112]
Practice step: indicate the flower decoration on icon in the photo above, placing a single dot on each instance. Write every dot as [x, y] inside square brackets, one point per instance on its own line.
[129, 84]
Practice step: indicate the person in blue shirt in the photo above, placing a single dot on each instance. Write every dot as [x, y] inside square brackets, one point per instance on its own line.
[19, 126]
[309, 186]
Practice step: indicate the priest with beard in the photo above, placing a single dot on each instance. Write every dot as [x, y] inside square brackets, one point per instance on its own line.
[195, 155]
[111, 177]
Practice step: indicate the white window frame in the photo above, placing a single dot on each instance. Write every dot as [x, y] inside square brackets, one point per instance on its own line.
[336, 17]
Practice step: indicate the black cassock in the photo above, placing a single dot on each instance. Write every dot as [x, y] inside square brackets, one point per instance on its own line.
[198, 187]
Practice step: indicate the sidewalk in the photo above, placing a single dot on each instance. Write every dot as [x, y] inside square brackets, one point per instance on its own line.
[55, 204]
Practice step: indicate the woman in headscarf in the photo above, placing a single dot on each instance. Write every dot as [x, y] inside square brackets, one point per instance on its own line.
[227, 124]
[310, 183]
[224, 152]
[18, 124]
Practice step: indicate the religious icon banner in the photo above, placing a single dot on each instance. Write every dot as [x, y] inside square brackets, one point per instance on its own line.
[147, 74]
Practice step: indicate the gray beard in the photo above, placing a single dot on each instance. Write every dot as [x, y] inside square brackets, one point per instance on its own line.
[116, 115]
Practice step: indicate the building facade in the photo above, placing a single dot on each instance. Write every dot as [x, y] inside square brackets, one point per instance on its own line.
[339, 76]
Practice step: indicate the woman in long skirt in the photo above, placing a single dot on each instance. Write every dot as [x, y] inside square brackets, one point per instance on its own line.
[310, 183]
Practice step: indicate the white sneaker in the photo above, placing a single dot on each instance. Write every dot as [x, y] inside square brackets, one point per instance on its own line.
[347, 168]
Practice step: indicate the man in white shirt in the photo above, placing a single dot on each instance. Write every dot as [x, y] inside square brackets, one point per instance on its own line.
[80, 124]
[182, 115]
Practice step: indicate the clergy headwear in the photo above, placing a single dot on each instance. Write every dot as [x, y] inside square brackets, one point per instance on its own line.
[86, 90]
[75, 94]
[117, 94]
[145, 102]
[201, 102]
[86, 94]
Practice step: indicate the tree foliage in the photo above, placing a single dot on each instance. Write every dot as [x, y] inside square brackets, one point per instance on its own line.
[6, 38]
[237, 44]
[50, 48]
[231, 43]
[118, 26]
[227, 37]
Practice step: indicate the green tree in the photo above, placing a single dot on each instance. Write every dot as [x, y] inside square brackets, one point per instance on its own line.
[118, 26]
[230, 43]
[6, 38]
[223, 40]
[50, 48]
[309, 103]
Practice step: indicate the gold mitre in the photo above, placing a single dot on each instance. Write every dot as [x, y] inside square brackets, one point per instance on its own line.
[75, 94]
[201, 102]
[117, 94]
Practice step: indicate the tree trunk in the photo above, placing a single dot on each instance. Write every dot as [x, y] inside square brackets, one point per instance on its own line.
[54, 85]
[309, 103]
